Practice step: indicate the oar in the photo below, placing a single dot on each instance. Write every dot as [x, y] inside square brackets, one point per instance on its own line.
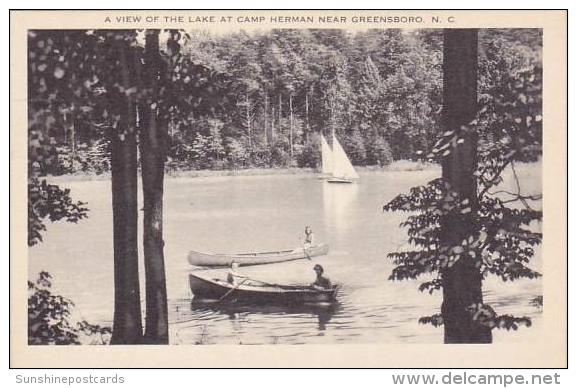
[231, 290]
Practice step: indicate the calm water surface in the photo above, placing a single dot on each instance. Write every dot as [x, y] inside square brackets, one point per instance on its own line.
[238, 214]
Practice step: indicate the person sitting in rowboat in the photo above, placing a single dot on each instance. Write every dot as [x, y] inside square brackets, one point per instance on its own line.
[233, 275]
[321, 283]
[309, 237]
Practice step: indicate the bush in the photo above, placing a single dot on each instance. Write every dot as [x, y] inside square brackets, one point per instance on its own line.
[202, 152]
[411, 165]
[355, 148]
[180, 157]
[309, 154]
[260, 156]
[49, 318]
[378, 151]
[280, 154]
[89, 158]
[237, 154]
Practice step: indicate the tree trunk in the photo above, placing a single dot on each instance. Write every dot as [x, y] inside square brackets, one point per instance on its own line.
[462, 283]
[272, 126]
[248, 123]
[127, 325]
[280, 113]
[333, 124]
[307, 116]
[291, 125]
[153, 136]
[266, 118]
[72, 141]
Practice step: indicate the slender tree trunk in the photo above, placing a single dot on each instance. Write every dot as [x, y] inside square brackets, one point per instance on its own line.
[266, 118]
[171, 128]
[248, 123]
[462, 283]
[127, 325]
[272, 126]
[333, 124]
[280, 113]
[291, 129]
[72, 141]
[153, 135]
[306, 116]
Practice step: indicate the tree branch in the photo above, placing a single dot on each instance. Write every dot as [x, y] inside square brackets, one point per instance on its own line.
[491, 182]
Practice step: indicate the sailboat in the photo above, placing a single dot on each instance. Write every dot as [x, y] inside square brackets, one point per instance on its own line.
[326, 159]
[336, 165]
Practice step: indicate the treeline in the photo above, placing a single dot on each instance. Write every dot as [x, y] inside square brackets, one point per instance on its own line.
[262, 99]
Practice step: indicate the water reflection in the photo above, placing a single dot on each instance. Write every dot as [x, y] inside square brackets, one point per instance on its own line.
[338, 201]
[234, 311]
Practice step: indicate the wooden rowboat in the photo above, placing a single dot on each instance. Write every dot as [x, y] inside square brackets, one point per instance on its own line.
[206, 288]
[244, 259]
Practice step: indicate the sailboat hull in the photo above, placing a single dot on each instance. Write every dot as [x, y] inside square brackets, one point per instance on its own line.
[339, 180]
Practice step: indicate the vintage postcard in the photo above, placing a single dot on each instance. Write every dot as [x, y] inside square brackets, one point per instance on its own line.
[333, 188]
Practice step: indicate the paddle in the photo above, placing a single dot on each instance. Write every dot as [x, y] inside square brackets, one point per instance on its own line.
[231, 290]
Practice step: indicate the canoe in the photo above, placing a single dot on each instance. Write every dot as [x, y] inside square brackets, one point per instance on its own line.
[206, 288]
[244, 259]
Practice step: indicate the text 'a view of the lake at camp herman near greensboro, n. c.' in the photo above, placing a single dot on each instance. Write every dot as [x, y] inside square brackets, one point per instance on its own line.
[200, 20]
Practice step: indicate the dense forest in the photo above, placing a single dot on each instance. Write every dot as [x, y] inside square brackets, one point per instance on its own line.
[261, 99]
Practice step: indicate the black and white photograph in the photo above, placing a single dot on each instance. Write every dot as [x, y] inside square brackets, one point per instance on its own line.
[281, 185]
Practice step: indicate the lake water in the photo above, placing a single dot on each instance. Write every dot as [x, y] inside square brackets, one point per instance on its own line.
[260, 213]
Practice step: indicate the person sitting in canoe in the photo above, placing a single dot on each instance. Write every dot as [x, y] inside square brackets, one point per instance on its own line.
[321, 283]
[233, 275]
[309, 237]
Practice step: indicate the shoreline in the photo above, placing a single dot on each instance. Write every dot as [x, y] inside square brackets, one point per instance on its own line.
[398, 166]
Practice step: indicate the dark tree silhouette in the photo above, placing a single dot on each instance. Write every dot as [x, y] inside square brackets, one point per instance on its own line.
[462, 282]
[153, 134]
[127, 326]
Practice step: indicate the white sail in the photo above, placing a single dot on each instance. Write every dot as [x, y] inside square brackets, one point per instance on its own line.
[342, 167]
[327, 157]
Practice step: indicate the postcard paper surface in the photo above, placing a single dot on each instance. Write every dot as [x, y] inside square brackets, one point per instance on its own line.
[334, 188]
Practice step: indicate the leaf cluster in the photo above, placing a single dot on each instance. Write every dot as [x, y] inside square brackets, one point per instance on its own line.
[49, 317]
[504, 224]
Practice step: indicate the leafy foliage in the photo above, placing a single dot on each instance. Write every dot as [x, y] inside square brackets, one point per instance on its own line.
[49, 318]
[49, 201]
[485, 315]
[45, 200]
[537, 301]
[505, 223]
